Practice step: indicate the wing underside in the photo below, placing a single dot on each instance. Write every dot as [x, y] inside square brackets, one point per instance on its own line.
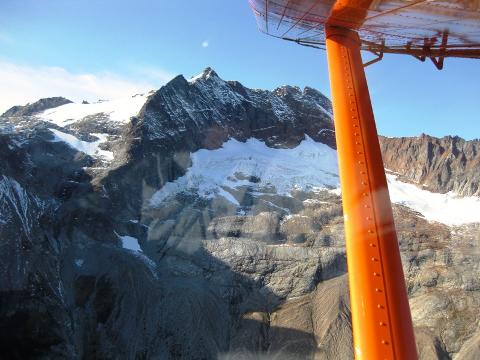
[421, 28]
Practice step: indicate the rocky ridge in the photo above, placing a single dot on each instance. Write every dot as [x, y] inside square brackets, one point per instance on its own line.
[36, 107]
[438, 165]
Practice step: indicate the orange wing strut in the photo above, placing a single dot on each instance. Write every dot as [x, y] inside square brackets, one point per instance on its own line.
[382, 324]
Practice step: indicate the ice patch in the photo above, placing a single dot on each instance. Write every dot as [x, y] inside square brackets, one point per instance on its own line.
[310, 166]
[130, 243]
[89, 148]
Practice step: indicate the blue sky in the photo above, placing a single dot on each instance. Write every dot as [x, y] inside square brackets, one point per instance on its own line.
[85, 49]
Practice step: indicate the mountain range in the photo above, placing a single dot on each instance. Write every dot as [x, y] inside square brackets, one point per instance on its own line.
[203, 221]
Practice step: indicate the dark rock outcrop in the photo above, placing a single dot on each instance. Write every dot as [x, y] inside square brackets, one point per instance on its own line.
[36, 107]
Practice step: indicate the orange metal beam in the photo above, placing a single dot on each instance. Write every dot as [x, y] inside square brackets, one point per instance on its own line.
[382, 324]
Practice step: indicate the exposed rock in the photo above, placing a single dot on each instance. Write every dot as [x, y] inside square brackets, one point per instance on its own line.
[438, 165]
[36, 107]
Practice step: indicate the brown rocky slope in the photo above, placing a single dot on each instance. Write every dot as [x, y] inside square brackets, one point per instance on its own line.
[438, 164]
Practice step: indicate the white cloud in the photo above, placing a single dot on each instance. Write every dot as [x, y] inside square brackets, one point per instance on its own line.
[154, 74]
[23, 84]
[205, 44]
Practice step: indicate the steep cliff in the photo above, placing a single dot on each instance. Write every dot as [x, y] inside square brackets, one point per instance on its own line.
[438, 165]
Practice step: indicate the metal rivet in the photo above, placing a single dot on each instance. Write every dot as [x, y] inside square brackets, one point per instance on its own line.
[371, 245]
[374, 259]
[384, 342]
[378, 290]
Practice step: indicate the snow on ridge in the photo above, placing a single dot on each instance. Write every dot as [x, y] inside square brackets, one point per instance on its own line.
[118, 110]
[89, 148]
[309, 166]
[449, 209]
[193, 79]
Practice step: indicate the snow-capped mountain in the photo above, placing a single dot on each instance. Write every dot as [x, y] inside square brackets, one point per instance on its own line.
[202, 220]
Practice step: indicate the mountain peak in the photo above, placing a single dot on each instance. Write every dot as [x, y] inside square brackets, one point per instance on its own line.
[209, 72]
[287, 90]
[206, 74]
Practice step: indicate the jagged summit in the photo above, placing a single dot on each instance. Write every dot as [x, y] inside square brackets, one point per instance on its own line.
[207, 104]
[36, 107]
[206, 74]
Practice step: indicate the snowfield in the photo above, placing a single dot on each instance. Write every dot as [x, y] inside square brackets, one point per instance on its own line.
[118, 110]
[310, 166]
[89, 148]
[448, 209]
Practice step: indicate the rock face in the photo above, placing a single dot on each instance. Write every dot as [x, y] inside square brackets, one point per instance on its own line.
[36, 107]
[440, 165]
[113, 248]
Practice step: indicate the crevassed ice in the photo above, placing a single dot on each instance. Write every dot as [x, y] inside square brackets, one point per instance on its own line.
[309, 166]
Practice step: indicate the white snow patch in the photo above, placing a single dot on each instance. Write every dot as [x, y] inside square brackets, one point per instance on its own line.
[310, 166]
[118, 110]
[130, 243]
[195, 78]
[449, 209]
[79, 262]
[89, 148]
[337, 191]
